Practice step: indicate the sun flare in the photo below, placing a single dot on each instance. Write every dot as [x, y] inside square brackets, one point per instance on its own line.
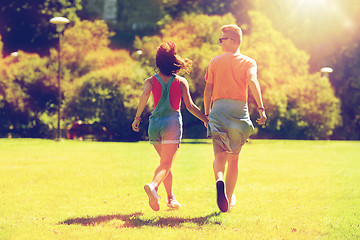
[312, 2]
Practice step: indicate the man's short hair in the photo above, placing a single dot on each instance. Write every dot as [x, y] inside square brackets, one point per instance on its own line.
[232, 31]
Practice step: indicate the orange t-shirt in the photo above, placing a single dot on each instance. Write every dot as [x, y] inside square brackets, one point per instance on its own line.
[228, 73]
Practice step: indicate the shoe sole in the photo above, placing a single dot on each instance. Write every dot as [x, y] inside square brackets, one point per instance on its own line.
[173, 206]
[222, 200]
[153, 201]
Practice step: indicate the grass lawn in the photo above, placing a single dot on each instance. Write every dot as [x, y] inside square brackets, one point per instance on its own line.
[94, 190]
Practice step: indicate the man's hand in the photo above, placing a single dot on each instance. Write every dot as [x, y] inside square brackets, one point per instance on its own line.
[262, 118]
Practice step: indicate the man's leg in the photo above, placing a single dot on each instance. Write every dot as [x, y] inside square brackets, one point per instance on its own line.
[231, 174]
[219, 169]
[220, 161]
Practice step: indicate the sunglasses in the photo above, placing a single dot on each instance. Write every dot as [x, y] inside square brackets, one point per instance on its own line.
[222, 39]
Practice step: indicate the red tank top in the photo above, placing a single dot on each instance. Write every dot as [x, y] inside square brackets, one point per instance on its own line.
[174, 95]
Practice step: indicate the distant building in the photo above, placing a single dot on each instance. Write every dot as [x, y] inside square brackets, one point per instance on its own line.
[110, 10]
[135, 15]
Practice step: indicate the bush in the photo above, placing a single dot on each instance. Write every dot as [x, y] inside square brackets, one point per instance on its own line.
[29, 91]
[109, 95]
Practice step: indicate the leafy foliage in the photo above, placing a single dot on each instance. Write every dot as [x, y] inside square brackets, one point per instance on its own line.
[103, 85]
[78, 42]
[29, 91]
[300, 105]
[346, 80]
[196, 37]
[109, 95]
[98, 84]
[238, 9]
[25, 24]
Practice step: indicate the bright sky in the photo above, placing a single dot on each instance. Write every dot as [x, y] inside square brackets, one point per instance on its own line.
[319, 26]
[312, 3]
[333, 9]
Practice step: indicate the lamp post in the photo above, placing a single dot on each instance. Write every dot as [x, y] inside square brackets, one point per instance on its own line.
[60, 23]
[14, 54]
[325, 71]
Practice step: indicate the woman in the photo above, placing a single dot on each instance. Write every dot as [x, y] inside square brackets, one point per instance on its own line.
[165, 126]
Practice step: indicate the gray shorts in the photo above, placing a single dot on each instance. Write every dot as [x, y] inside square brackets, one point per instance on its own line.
[229, 125]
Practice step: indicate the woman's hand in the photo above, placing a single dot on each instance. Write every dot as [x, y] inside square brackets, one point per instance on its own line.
[135, 125]
[143, 100]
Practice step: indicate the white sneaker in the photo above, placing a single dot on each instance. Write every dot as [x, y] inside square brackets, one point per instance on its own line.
[153, 196]
[173, 203]
[233, 201]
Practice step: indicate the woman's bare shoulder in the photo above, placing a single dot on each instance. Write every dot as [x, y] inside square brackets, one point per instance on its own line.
[182, 80]
[149, 80]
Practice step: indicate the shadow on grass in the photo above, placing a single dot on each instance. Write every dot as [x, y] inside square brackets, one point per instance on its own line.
[134, 220]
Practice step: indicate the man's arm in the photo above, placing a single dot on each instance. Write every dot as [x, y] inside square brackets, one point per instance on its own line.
[207, 97]
[256, 91]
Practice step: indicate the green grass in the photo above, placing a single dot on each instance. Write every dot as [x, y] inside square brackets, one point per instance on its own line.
[94, 190]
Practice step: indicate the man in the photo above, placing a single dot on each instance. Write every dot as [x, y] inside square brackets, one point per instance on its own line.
[228, 77]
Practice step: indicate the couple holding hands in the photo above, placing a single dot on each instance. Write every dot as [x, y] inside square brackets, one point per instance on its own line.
[226, 117]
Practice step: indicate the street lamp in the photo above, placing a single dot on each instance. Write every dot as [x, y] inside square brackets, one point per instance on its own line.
[325, 71]
[60, 23]
[14, 54]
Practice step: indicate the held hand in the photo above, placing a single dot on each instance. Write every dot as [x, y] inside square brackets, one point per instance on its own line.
[262, 118]
[206, 123]
[135, 125]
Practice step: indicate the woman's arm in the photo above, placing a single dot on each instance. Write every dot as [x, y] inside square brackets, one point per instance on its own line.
[142, 103]
[190, 106]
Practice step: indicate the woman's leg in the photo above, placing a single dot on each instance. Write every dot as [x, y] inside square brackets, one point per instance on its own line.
[167, 155]
[169, 178]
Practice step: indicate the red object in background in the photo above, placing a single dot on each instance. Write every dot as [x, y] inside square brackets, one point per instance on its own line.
[80, 130]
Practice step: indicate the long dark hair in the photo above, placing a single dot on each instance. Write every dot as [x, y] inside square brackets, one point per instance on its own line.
[169, 62]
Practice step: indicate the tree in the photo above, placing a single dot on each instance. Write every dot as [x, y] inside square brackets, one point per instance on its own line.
[346, 81]
[25, 24]
[79, 40]
[100, 84]
[103, 85]
[300, 104]
[196, 37]
[238, 9]
[109, 95]
[318, 27]
[29, 95]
